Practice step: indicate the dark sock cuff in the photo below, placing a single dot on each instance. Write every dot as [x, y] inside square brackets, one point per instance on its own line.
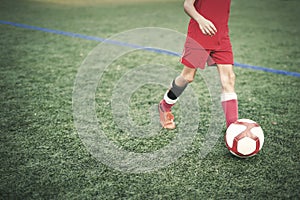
[171, 95]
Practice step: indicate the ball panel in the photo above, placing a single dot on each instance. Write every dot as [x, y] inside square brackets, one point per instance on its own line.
[258, 132]
[246, 146]
[233, 131]
[235, 151]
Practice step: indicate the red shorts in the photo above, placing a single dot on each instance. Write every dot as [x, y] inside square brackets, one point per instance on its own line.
[195, 56]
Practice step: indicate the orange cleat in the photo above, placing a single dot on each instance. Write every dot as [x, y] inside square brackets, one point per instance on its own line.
[166, 118]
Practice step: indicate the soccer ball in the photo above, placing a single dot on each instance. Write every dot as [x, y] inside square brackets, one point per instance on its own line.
[244, 138]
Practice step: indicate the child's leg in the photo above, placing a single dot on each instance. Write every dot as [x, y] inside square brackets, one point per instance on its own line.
[178, 85]
[228, 97]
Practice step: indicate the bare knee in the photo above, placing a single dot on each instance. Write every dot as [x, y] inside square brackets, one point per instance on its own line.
[188, 74]
[189, 78]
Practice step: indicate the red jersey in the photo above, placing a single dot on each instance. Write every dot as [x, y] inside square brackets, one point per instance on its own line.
[217, 11]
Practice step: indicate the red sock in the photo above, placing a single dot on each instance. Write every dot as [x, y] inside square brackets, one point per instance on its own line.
[166, 107]
[230, 107]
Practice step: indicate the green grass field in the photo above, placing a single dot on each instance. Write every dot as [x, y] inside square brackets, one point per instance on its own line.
[42, 155]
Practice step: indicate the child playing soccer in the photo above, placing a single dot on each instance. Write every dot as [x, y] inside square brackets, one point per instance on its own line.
[207, 42]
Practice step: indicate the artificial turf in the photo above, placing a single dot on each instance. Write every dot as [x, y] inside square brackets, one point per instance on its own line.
[42, 155]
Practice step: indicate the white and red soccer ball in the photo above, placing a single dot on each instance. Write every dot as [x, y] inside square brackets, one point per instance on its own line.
[244, 138]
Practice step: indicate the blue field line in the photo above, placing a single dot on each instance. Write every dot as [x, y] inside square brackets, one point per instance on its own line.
[119, 43]
[86, 37]
[275, 71]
